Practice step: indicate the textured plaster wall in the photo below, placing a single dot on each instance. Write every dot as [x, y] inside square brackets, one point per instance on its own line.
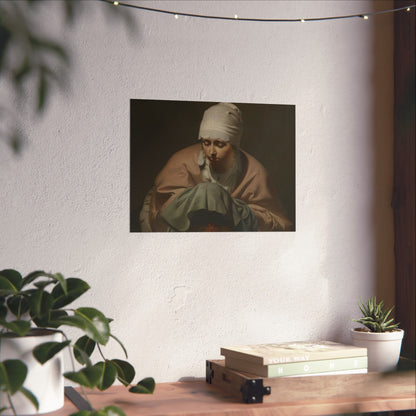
[176, 299]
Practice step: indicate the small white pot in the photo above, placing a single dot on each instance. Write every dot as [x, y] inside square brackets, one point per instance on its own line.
[383, 348]
[44, 381]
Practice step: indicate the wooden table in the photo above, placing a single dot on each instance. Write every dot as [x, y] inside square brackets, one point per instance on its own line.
[200, 398]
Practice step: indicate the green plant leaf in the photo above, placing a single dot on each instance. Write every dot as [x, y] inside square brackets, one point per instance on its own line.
[145, 386]
[30, 396]
[45, 351]
[18, 305]
[83, 413]
[3, 312]
[55, 316]
[6, 287]
[110, 411]
[108, 374]
[88, 376]
[13, 276]
[12, 375]
[98, 328]
[20, 73]
[125, 371]
[31, 277]
[18, 327]
[75, 288]
[40, 304]
[43, 283]
[83, 349]
[105, 411]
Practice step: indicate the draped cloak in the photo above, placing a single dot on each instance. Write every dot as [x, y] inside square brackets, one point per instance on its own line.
[183, 172]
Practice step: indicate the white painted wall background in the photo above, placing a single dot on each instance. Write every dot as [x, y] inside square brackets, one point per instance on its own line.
[176, 299]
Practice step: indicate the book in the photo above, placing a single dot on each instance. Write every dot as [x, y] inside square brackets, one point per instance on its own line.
[298, 368]
[333, 373]
[292, 352]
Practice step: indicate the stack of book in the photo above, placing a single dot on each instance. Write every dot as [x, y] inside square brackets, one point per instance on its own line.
[296, 359]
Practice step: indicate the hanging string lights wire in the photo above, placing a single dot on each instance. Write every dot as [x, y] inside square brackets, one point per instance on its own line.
[176, 15]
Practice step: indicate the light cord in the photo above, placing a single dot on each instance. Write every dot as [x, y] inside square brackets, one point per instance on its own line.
[364, 16]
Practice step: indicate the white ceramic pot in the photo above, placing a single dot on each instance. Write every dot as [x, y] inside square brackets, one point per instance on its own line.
[44, 381]
[383, 348]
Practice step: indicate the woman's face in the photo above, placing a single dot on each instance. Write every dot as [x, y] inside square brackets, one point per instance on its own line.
[219, 153]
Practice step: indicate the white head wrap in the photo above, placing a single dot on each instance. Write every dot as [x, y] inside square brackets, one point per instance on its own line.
[222, 121]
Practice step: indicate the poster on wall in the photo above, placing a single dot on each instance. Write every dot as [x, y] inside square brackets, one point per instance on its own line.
[200, 166]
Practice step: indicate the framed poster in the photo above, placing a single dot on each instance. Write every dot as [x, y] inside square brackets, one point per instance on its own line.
[211, 166]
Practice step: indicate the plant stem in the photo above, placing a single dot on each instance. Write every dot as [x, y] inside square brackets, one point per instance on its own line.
[101, 353]
[73, 369]
[11, 404]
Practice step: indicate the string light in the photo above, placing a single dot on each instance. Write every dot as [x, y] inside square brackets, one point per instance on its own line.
[248, 19]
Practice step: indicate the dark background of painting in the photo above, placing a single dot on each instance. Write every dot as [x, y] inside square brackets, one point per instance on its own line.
[159, 128]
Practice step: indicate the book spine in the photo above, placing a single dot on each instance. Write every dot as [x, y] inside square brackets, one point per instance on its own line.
[321, 366]
[333, 373]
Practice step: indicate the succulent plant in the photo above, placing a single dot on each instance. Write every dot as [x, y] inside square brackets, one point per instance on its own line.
[375, 317]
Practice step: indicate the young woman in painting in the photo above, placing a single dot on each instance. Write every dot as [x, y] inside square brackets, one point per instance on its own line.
[214, 185]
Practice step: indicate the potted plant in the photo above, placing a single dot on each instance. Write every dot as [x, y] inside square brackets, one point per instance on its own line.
[380, 335]
[34, 310]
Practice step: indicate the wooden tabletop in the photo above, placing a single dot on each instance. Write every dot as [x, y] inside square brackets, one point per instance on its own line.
[191, 398]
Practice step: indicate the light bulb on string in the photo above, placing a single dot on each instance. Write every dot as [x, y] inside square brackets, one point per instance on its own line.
[248, 19]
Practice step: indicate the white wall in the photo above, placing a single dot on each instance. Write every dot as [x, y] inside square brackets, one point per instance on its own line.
[176, 299]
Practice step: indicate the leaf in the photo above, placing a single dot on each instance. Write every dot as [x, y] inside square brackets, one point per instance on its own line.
[40, 304]
[108, 374]
[13, 276]
[43, 88]
[3, 312]
[21, 73]
[18, 327]
[83, 413]
[55, 315]
[54, 277]
[45, 351]
[12, 375]
[105, 411]
[30, 396]
[75, 288]
[31, 277]
[125, 371]
[110, 411]
[7, 287]
[98, 328]
[145, 386]
[88, 376]
[18, 305]
[44, 283]
[95, 328]
[83, 349]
